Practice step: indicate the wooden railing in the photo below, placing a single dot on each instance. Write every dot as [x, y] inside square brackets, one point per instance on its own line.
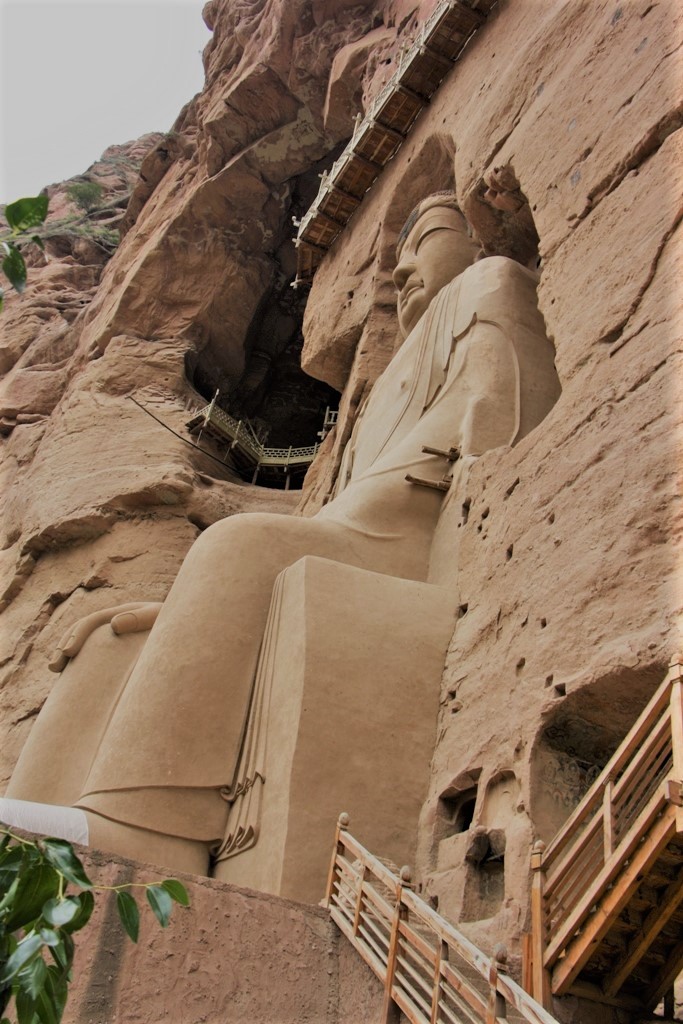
[238, 432]
[430, 971]
[607, 841]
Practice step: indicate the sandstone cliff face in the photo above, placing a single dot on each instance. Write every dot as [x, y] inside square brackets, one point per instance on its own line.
[561, 132]
[568, 548]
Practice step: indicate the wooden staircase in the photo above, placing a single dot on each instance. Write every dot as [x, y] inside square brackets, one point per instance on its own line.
[431, 972]
[607, 898]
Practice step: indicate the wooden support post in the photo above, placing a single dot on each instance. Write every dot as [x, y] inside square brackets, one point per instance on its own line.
[496, 1009]
[342, 823]
[669, 1004]
[359, 901]
[676, 708]
[390, 1011]
[607, 820]
[452, 454]
[541, 980]
[676, 705]
[437, 485]
[527, 963]
[441, 957]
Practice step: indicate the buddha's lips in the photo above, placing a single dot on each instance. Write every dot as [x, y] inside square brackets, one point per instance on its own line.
[404, 296]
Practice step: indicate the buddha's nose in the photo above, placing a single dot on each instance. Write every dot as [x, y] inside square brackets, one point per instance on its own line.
[402, 272]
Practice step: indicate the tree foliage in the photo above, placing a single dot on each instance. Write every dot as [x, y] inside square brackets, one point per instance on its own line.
[21, 216]
[40, 913]
[85, 194]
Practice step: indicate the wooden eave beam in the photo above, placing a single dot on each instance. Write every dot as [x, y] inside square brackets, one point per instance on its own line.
[312, 245]
[440, 58]
[331, 220]
[393, 133]
[347, 195]
[411, 94]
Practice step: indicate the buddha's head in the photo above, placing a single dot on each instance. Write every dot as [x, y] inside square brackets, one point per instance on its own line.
[434, 247]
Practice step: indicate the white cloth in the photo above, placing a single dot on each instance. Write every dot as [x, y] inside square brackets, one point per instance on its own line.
[46, 819]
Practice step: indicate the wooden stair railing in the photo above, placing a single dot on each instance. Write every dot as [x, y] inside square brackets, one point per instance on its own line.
[430, 971]
[607, 893]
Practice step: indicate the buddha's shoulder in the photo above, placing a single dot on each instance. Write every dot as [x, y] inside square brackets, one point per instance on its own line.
[499, 271]
[493, 287]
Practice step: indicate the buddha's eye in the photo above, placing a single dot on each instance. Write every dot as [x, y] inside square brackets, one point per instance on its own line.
[426, 234]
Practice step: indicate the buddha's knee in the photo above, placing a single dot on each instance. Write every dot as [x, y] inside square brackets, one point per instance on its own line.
[244, 532]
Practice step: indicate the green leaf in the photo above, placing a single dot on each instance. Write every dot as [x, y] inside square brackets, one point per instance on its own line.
[177, 891]
[7, 902]
[49, 937]
[9, 868]
[14, 268]
[63, 954]
[26, 1008]
[161, 903]
[62, 857]
[26, 213]
[32, 979]
[51, 1002]
[4, 842]
[129, 914]
[38, 241]
[36, 885]
[25, 951]
[60, 912]
[86, 902]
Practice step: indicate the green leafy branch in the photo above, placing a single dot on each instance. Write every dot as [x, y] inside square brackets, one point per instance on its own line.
[21, 216]
[39, 915]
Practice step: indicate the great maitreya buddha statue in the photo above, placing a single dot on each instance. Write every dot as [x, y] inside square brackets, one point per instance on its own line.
[152, 722]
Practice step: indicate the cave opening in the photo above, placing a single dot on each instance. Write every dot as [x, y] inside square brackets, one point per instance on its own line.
[272, 401]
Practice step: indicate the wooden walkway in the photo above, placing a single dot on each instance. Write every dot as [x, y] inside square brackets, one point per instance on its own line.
[607, 899]
[251, 459]
[378, 136]
[430, 971]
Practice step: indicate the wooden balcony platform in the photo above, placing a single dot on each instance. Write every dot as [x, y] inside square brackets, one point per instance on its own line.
[607, 901]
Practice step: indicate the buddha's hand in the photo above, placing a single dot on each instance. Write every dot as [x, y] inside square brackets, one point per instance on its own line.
[134, 617]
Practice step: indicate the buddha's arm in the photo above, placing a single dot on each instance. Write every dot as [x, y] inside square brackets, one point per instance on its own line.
[491, 416]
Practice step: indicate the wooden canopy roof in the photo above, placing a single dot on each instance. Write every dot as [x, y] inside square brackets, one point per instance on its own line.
[378, 136]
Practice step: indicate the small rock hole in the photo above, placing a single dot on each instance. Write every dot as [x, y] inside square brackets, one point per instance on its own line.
[508, 553]
[560, 689]
[462, 610]
[549, 679]
[466, 506]
[520, 665]
[544, 623]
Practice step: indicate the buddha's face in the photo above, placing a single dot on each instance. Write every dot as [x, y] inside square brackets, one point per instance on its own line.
[435, 252]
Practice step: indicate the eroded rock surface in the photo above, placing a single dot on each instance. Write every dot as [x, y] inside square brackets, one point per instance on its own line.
[560, 130]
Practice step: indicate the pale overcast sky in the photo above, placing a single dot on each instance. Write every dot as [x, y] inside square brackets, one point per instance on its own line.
[80, 75]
